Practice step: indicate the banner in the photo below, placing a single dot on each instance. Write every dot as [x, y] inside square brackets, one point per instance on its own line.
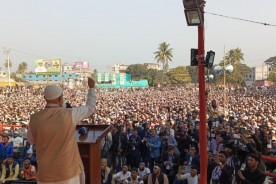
[81, 65]
[47, 66]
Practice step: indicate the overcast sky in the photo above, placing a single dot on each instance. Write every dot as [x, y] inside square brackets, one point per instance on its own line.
[105, 32]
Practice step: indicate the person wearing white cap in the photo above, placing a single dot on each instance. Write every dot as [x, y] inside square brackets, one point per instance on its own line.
[16, 140]
[143, 171]
[40, 67]
[53, 131]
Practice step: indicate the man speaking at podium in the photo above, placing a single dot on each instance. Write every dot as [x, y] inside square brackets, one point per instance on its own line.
[53, 131]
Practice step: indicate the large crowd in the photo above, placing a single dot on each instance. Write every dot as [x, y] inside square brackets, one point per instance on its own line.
[155, 138]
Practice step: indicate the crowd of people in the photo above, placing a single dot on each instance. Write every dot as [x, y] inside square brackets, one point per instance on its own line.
[155, 138]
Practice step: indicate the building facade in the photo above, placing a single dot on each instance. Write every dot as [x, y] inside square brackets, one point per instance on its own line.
[3, 73]
[59, 78]
[258, 76]
[154, 66]
[118, 80]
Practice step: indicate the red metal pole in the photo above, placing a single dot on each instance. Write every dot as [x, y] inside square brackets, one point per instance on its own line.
[202, 104]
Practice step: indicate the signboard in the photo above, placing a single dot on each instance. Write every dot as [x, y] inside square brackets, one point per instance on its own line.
[82, 65]
[44, 66]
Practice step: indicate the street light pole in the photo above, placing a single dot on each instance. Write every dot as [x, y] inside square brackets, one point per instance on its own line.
[224, 90]
[7, 52]
[194, 13]
[202, 103]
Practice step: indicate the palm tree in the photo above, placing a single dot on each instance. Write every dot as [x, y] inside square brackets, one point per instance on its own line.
[164, 55]
[22, 67]
[234, 57]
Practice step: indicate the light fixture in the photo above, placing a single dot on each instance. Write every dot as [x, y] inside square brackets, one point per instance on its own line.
[229, 68]
[210, 57]
[217, 70]
[188, 4]
[194, 55]
[193, 17]
[192, 13]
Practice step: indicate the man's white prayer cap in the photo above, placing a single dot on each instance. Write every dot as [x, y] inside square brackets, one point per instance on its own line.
[52, 92]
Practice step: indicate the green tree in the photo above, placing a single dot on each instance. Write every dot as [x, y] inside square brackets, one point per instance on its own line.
[234, 57]
[94, 74]
[6, 64]
[238, 75]
[154, 77]
[22, 67]
[137, 71]
[271, 61]
[272, 75]
[164, 55]
[193, 73]
[179, 75]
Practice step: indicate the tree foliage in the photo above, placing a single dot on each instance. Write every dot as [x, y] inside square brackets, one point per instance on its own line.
[271, 61]
[193, 73]
[164, 55]
[235, 58]
[272, 75]
[179, 75]
[156, 77]
[6, 64]
[137, 71]
[94, 74]
[22, 67]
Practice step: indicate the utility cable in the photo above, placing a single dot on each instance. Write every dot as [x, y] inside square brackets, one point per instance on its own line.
[246, 20]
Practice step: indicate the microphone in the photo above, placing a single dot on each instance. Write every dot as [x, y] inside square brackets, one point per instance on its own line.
[83, 131]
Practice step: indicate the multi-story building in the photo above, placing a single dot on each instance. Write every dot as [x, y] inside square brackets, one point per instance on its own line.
[154, 66]
[258, 75]
[250, 77]
[3, 73]
[261, 72]
[118, 80]
[121, 68]
[52, 78]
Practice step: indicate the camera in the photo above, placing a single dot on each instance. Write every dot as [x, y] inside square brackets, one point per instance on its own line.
[242, 131]
[236, 136]
[243, 167]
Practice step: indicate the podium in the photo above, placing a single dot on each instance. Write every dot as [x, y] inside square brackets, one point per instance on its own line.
[90, 151]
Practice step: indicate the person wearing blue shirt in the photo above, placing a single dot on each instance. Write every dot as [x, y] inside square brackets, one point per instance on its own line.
[153, 144]
[6, 149]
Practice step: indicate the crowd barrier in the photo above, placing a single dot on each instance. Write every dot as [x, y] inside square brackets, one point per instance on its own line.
[5, 126]
[271, 159]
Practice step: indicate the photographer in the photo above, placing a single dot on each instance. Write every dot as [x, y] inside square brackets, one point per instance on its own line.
[217, 144]
[192, 158]
[222, 173]
[183, 141]
[119, 147]
[166, 140]
[145, 133]
[134, 152]
[170, 162]
[251, 174]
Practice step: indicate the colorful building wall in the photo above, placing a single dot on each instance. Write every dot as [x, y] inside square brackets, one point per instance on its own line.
[50, 77]
[118, 80]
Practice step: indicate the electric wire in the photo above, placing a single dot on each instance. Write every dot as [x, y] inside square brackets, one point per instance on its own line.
[246, 20]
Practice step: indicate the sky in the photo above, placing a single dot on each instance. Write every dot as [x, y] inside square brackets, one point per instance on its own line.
[106, 32]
